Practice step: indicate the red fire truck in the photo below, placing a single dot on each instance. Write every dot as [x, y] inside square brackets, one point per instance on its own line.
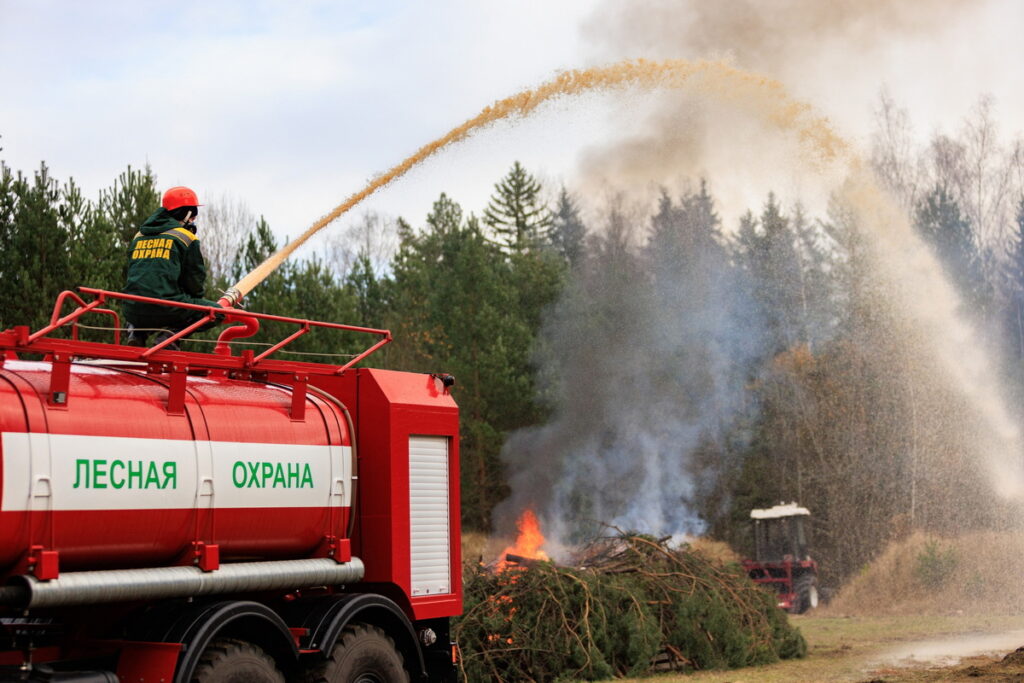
[179, 515]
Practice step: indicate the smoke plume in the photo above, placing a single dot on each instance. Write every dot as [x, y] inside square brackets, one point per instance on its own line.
[643, 372]
[786, 39]
[645, 378]
[825, 52]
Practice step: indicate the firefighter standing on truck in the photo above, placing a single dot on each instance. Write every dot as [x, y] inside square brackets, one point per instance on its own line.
[164, 262]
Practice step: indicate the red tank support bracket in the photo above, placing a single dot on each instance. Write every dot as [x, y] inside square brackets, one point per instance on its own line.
[299, 398]
[60, 381]
[176, 389]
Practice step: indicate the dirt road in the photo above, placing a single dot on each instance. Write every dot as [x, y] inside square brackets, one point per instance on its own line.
[914, 648]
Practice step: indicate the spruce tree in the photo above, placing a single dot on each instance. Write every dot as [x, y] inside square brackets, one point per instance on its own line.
[445, 217]
[943, 226]
[364, 284]
[818, 296]
[568, 233]
[1015, 284]
[516, 214]
[767, 250]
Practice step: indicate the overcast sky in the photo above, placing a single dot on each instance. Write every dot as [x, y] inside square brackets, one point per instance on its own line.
[291, 106]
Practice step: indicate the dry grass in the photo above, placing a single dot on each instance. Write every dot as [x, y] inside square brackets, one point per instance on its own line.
[480, 547]
[985, 578]
[475, 547]
[716, 551]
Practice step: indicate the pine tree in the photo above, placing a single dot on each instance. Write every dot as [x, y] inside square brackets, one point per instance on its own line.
[96, 257]
[9, 287]
[516, 214]
[315, 294]
[130, 200]
[34, 253]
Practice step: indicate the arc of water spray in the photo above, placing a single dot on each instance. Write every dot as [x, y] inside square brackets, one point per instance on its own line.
[900, 255]
[726, 80]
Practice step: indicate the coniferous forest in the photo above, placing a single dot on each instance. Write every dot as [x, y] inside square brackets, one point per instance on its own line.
[656, 369]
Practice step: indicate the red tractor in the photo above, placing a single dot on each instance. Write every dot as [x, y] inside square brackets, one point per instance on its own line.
[781, 560]
[172, 515]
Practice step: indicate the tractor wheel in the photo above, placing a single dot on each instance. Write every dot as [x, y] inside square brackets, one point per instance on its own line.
[227, 660]
[363, 654]
[806, 588]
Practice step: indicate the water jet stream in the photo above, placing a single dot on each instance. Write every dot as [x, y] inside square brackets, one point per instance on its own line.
[915, 278]
[714, 77]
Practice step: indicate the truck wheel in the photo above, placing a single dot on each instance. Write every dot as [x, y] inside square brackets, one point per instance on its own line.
[227, 660]
[806, 590]
[363, 654]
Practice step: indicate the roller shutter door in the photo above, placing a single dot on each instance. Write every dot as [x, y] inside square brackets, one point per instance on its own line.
[430, 541]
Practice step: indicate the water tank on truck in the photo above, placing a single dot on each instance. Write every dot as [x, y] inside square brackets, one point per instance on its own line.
[184, 516]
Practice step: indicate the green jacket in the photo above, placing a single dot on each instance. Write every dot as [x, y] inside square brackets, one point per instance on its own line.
[164, 262]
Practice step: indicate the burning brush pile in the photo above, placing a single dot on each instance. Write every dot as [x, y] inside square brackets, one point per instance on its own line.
[629, 605]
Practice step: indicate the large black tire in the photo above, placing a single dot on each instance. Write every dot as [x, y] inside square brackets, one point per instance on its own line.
[363, 654]
[227, 660]
[806, 588]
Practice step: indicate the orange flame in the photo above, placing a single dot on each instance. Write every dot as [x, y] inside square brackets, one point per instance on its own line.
[529, 543]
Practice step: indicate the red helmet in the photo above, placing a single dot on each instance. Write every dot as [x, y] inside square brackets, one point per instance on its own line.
[179, 196]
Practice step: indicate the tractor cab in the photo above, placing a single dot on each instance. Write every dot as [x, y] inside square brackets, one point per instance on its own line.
[780, 533]
[781, 556]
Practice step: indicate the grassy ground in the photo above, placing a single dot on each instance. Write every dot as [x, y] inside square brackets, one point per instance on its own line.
[850, 649]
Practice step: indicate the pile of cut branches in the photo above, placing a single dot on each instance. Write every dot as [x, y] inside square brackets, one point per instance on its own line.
[631, 605]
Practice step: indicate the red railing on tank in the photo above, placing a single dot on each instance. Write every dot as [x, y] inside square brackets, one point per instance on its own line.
[20, 339]
[83, 308]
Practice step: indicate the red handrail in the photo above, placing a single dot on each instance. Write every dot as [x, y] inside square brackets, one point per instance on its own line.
[234, 312]
[39, 341]
[56, 321]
